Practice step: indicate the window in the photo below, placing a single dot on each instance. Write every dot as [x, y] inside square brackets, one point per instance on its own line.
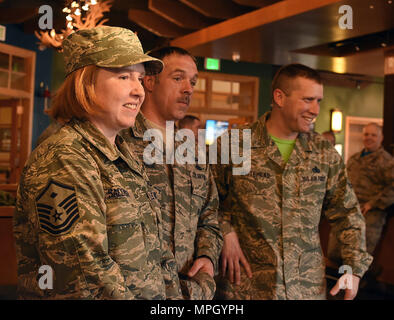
[16, 110]
[225, 97]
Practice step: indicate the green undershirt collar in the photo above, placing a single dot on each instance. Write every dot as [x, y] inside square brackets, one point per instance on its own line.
[285, 147]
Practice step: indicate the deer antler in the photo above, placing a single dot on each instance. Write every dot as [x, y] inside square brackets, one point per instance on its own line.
[93, 18]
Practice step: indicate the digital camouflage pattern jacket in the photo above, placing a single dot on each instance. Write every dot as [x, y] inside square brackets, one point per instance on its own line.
[189, 202]
[372, 177]
[275, 210]
[83, 209]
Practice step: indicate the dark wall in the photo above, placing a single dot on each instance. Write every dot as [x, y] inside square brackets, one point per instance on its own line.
[15, 36]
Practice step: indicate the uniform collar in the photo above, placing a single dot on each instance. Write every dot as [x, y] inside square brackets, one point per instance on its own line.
[98, 140]
[303, 147]
[90, 133]
[140, 126]
[371, 154]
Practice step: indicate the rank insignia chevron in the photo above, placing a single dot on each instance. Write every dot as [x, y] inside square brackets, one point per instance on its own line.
[57, 208]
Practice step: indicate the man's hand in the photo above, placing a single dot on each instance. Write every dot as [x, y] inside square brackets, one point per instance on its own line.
[365, 208]
[232, 256]
[201, 264]
[348, 282]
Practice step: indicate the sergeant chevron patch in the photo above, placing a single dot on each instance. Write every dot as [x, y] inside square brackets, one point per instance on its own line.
[57, 208]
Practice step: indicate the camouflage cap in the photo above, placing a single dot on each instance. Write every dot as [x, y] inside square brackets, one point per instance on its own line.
[106, 46]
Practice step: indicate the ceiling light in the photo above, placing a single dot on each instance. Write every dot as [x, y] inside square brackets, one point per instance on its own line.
[336, 120]
[236, 56]
[339, 64]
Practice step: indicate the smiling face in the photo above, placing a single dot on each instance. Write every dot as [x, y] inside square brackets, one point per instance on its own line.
[119, 94]
[300, 106]
[171, 91]
[372, 137]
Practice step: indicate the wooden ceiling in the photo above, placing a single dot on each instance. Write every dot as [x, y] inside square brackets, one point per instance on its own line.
[261, 31]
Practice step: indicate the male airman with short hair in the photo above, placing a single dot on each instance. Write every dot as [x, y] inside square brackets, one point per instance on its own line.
[270, 216]
[187, 192]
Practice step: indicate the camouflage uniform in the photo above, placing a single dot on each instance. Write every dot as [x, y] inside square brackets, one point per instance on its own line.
[189, 202]
[83, 209]
[275, 210]
[372, 177]
[49, 131]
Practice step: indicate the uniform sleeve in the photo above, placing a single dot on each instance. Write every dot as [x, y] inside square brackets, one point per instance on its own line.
[66, 212]
[168, 264]
[26, 242]
[342, 210]
[385, 198]
[170, 274]
[209, 239]
[222, 175]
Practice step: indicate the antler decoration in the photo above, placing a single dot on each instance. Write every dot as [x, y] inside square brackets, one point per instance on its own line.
[84, 14]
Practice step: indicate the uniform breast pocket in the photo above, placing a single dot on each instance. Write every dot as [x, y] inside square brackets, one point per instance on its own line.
[312, 194]
[255, 183]
[126, 235]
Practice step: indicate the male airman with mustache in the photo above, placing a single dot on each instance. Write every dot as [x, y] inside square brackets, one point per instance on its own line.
[187, 192]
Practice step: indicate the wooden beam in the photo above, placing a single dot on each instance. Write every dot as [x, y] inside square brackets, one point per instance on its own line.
[254, 19]
[156, 24]
[17, 15]
[256, 3]
[126, 5]
[180, 14]
[220, 9]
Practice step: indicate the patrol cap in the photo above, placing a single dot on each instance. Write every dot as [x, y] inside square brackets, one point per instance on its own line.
[106, 46]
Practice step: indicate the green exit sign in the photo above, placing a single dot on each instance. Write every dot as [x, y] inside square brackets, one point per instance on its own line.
[212, 64]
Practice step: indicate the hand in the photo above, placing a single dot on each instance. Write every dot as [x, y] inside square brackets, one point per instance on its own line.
[201, 264]
[348, 282]
[365, 208]
[231, 257]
